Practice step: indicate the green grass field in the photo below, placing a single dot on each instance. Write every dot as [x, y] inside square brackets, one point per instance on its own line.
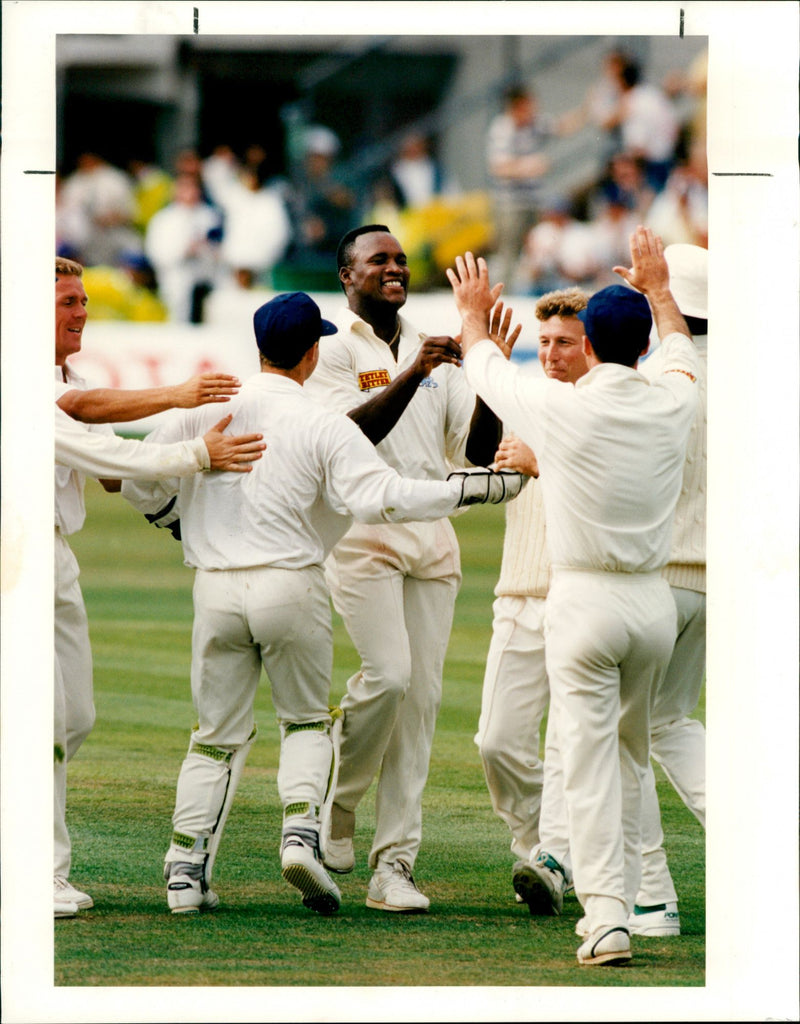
[121, 796]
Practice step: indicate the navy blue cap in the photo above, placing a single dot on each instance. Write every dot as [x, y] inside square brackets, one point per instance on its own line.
[290, 320]
[618, 321]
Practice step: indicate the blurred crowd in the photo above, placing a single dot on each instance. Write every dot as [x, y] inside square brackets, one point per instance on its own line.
[157, 241]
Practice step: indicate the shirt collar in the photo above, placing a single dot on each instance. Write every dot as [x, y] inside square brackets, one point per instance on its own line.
[273, 382]
[608, 372]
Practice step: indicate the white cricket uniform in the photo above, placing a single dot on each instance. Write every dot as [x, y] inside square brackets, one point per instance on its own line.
[515, 688]
[677, 741]
[86, 450]
[611, 451]
[394, 586]
[73, 696]
[258, 542]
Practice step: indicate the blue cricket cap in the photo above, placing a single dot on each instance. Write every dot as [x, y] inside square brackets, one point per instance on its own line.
[618, 323]
[289, 321]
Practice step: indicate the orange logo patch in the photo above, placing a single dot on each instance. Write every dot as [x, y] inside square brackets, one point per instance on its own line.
[373, 379]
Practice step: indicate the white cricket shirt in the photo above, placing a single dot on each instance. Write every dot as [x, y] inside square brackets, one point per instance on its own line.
[354, 365]
[317, 472]
[611, 450]
[70, 509]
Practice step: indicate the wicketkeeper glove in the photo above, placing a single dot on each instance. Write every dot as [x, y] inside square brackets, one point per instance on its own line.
[482, 486]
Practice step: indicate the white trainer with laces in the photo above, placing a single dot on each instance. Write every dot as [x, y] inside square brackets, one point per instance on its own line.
[186, 889]
[393, 888]
[606, 946]
[301, 867]
[662, 920]
[63, 908]
[541, 884]
[65, 892]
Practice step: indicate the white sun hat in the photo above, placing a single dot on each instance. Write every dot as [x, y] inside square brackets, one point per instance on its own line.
[688, 278]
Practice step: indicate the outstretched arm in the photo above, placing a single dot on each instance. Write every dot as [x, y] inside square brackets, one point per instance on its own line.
[114, 405]
[650, 276]
[108, 456]
[485, 429]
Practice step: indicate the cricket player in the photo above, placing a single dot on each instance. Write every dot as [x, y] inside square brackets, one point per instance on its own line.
[394, 584]
[260, 597]
[92, 448]
[611, 452]
[525, 792]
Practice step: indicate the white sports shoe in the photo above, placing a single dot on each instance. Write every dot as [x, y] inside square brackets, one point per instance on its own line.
[186, 889]
[541, 885]
[301, 867]
[63, 908]
[606, 946]
[392, 887]
[65, 892]
[661, 920]
[339, 856]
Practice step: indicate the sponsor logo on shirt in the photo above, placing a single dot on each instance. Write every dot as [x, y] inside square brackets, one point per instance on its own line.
[428, 382]
[373, 379]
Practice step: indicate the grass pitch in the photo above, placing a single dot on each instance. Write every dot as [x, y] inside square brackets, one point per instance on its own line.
[121, 795]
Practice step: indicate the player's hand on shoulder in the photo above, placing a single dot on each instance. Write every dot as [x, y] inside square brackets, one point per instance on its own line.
[232, 453]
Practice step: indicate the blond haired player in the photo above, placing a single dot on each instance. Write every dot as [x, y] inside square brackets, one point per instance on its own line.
[515, 689]
[92, 448]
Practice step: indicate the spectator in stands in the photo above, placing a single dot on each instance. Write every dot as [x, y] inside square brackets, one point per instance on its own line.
[600, 106]
[98, 199]
[559, 251]
[323, 207]
[623, 180]
[649, 125]
[419, 177]
[220, 172]
[182, 243]
[614, 222]
[680, 212]
[516, 163]
[257, 228]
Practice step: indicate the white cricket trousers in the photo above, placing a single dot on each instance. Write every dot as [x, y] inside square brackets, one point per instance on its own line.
[74, 712]
[243, 619]
[609, 637]
[515, 697]
[395, 589]
[677, 743]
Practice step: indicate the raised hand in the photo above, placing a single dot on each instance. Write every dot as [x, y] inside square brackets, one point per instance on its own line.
[474, 297]
[498, 329]
[649, 272]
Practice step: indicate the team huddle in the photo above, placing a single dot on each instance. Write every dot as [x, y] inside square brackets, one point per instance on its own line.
[332, 479]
